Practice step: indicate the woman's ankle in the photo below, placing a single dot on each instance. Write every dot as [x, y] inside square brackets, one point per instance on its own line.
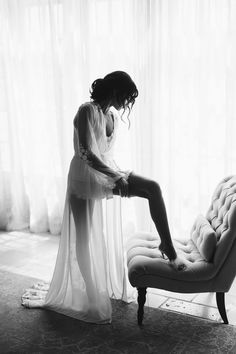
[168, 249]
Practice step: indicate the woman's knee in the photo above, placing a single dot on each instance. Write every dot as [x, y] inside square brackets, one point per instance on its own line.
[154, 188]
[143, 187]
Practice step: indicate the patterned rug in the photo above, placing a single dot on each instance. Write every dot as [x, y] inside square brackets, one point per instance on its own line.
[42, 331]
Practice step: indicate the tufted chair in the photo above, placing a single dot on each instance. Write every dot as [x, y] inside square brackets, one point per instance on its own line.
[210, 254]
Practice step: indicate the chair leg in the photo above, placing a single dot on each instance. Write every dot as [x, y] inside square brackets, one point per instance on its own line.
[141, 301]
[220, 300]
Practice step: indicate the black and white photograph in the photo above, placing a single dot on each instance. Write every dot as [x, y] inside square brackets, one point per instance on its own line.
[117, 176]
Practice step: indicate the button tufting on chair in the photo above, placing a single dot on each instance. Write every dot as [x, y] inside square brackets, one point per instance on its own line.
[209, 253]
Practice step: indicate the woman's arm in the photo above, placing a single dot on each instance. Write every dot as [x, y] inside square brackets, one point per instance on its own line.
[84, 124]
[95, 162]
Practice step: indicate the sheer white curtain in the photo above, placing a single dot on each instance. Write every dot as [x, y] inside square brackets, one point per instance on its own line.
[194, 94]
[180, 53]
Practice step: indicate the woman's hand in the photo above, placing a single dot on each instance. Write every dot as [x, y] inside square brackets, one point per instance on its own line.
[123, 187]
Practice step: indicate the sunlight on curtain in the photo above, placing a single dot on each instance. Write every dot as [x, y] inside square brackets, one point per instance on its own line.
[181, 55]
[195, 78]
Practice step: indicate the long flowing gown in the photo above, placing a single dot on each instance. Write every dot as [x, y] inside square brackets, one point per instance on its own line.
[90, 266]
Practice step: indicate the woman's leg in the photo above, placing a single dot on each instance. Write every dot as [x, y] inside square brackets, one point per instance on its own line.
[82, 213]
[146, 188]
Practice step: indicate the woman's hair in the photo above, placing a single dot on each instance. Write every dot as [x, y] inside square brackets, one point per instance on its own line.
[117, 84]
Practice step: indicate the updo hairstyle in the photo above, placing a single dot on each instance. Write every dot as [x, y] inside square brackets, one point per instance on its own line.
[117, 84]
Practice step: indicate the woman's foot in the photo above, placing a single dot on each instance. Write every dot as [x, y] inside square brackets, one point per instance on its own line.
[178, 264]
[168, 250]
[171, 254]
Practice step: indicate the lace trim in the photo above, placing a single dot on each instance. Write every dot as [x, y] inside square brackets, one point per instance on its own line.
[36, 295]
[84, 154]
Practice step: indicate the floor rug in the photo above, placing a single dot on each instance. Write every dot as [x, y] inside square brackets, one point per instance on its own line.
[42, 331]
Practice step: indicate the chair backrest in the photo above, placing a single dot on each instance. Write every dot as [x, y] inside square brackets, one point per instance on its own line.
[222, 217]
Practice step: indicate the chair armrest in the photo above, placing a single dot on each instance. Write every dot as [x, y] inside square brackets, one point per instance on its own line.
[204, 237]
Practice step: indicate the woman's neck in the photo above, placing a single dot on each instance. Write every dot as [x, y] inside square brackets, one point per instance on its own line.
[104, 105]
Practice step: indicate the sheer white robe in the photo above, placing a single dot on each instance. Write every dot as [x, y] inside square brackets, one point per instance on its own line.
[83, 282]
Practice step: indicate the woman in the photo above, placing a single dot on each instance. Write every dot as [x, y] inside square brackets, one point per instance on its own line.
[79, 287]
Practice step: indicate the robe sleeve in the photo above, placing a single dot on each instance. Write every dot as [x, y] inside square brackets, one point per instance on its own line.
[85, 125]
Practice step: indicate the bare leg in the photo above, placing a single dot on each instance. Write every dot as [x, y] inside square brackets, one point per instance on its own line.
[82, 213]
[146, 188]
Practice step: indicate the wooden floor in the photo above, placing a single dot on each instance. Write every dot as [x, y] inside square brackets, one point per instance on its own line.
[35, 255]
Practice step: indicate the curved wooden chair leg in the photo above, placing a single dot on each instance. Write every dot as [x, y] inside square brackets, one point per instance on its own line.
[220, 300]
[141, 301]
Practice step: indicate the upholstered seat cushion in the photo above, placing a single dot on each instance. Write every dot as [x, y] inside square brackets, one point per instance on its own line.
[204, 237]
[145, 259]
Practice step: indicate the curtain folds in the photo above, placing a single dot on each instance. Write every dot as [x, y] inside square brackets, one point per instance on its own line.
[180, 53]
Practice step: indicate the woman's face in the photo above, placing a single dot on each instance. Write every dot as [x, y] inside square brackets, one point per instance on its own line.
[117, 103]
